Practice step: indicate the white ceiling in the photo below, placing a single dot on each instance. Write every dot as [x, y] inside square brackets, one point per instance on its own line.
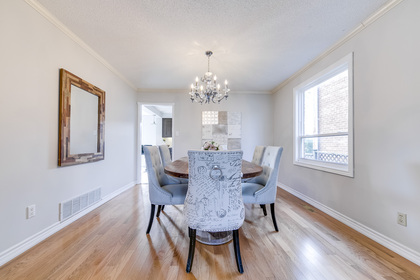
[257, 44]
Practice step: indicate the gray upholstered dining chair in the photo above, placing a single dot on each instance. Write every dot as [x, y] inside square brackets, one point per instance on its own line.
[258, 155]
[262, 189]
[162, 191]
[165, 156]
[214, 197]
[256, 158]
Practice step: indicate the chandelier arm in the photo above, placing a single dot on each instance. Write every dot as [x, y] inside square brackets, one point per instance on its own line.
[219, 97]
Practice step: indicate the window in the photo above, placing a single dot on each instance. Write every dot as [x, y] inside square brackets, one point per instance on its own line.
[323, 132]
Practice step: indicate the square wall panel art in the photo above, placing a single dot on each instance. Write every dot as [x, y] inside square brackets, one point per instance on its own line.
[222, 127]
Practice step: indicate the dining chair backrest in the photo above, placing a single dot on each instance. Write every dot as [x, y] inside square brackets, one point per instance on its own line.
[270, 164]
[156, 175]
[165, 155]
[214, 197]
[258, 155]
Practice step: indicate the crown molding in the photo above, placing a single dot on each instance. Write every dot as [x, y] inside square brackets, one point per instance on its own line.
[186, 91]
[371, 19]
[45, 13]
[252, 92]
[161, 90]
[50, 17]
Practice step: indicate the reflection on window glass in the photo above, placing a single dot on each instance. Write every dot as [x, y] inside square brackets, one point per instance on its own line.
[326, 106]
[327, 149]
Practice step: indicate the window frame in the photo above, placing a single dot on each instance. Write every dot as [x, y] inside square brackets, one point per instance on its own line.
[298, 91]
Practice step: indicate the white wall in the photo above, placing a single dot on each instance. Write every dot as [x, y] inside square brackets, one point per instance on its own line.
[148, 135]
[386, 129]
[158, 131]
[257, 119]
[152, 130]
[32, 51]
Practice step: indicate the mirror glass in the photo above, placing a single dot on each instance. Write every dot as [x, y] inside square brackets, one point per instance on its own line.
[84, 121]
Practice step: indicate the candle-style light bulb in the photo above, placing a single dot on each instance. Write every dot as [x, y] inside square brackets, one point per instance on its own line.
[218, 86]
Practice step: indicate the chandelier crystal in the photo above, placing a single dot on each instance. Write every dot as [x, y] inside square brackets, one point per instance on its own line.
[208, 89]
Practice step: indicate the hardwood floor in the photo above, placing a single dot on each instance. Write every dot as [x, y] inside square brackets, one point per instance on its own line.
[111, 243]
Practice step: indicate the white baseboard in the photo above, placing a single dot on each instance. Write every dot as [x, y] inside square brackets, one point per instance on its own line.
[387, 242]
[33, 240]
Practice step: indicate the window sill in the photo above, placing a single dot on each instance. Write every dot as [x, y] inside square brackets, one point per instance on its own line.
[343, 170]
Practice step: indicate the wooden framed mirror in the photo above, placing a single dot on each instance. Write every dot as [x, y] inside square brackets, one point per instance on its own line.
[81, 121]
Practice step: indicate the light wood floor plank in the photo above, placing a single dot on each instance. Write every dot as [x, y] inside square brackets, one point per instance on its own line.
[111, 243]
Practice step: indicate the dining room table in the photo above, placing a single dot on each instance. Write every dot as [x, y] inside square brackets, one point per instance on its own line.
[179, 169]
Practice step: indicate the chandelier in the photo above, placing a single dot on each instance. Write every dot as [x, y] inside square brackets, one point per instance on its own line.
[208, 89]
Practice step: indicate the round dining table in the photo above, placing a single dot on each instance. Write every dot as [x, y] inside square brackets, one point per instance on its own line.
[179, 169]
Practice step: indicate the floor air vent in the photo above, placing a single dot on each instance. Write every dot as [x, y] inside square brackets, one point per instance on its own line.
[73, 206]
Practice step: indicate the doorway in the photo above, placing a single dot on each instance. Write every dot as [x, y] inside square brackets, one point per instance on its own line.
[155, 128]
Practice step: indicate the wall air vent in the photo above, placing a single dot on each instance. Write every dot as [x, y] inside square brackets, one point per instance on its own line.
[73, 206]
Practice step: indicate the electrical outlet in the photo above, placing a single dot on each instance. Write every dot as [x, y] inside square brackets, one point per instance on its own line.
[31, 211]
[402, 219]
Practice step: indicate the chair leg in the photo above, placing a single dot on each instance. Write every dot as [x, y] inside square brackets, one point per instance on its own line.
[152, 214]
[264, 209]
[158, 212]
[163, 206]
[273, 215]
[237, 251]
[192, 248]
